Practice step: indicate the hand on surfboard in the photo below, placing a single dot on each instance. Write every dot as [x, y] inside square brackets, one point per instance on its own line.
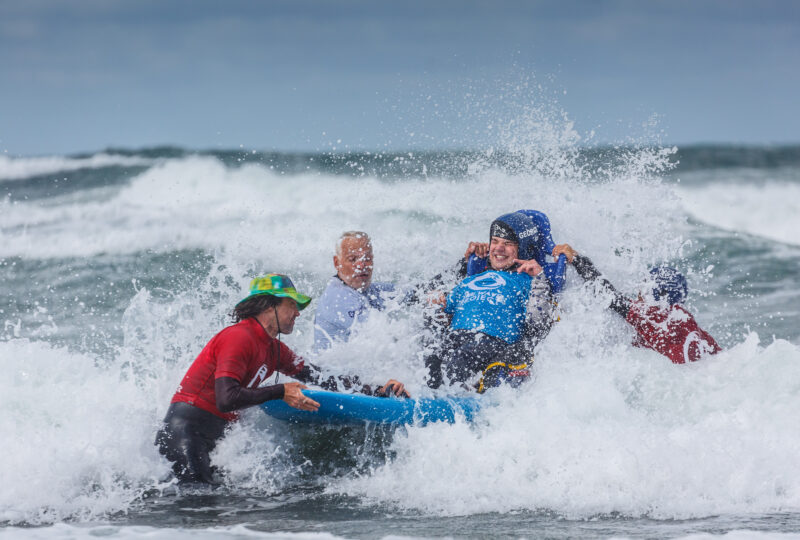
[293, 396]
[393, 387]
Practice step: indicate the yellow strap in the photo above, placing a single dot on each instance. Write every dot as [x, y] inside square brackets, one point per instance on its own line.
[490, 366]
[494, 364]
[510, 367]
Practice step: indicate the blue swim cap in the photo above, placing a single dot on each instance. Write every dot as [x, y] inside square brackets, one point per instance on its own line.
[520, 229]
[670, 285]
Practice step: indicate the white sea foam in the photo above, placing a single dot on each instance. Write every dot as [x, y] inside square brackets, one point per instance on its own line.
[770, 210]
[77, 436]
[604, 429]
[74, 532]
[19, 168]
[199, 203]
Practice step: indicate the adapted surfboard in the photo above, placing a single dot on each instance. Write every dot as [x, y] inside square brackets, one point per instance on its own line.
[354, 409]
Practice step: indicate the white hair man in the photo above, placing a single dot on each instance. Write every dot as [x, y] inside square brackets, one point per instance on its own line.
[350, 294]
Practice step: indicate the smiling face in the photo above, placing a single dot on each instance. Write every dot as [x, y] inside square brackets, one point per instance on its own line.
[354, 262]
[502, 253]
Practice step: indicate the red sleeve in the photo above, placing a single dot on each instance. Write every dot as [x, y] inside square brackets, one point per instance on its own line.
[289, 363]
[233, 350]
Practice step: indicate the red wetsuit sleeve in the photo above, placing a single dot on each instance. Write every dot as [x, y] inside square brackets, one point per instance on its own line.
[672, 332]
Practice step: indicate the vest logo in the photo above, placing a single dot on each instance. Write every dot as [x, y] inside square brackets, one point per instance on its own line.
[261, 374]
[487, 282]
[702, 346]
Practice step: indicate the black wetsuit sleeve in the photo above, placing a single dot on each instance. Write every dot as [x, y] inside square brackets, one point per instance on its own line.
[311, 374]
[539, 321]
[586, 269]
[444, 280]
[231, 395]
[461, 269]
[535, 331]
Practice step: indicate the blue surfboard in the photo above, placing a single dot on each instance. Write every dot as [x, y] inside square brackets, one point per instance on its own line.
[357, 409]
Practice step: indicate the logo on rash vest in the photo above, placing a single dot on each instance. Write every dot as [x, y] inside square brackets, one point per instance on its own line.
[487, 282]
[261, 374]
[703, 346]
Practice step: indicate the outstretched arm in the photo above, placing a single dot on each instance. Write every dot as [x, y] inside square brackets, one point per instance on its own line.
[586, 269]
[232, 396]
[443, 281]
[311, 374]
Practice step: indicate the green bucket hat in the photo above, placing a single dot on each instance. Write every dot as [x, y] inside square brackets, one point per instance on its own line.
[276, 285]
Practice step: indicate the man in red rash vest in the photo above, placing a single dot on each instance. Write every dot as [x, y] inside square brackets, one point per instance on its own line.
[664, 326]
[228, 372]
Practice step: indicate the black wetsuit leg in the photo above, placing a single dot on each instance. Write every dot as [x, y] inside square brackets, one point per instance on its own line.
[509, 366]
[470, 353]
[188, 436]
[465, 353]
[436, 341]
[433, 363]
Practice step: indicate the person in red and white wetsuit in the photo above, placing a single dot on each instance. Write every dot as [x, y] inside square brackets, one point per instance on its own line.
[227, 374]
[664, 325]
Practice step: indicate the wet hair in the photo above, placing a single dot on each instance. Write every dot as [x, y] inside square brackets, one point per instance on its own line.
[254, 306]
[350, 234]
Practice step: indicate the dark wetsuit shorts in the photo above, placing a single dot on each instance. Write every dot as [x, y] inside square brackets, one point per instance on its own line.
[465, 353]
[188, 436]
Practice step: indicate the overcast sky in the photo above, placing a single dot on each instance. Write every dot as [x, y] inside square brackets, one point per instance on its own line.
[313, 75]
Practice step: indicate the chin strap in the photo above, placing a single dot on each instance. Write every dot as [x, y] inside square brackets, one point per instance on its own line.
[278, 323]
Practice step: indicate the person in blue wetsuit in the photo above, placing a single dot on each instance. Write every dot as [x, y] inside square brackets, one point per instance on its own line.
[498, 315]
[350, 294]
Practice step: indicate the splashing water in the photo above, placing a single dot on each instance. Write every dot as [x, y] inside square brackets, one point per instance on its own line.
[603, 428]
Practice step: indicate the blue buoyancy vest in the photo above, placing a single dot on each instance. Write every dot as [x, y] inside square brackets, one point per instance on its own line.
[493, 302]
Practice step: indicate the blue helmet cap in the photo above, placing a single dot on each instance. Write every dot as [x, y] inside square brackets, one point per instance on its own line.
[518, 228]
[670, 284]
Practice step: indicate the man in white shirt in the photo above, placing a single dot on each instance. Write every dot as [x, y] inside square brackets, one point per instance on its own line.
[350, 294]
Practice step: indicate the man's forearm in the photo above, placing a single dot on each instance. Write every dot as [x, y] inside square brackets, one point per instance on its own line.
[311, 374]
[231, 395]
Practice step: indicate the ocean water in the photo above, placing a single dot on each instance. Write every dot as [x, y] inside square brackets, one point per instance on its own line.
[117, 266]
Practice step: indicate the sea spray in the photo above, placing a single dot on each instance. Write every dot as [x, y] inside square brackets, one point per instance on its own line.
[616, 431]
[78, 436]
[112, 290]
